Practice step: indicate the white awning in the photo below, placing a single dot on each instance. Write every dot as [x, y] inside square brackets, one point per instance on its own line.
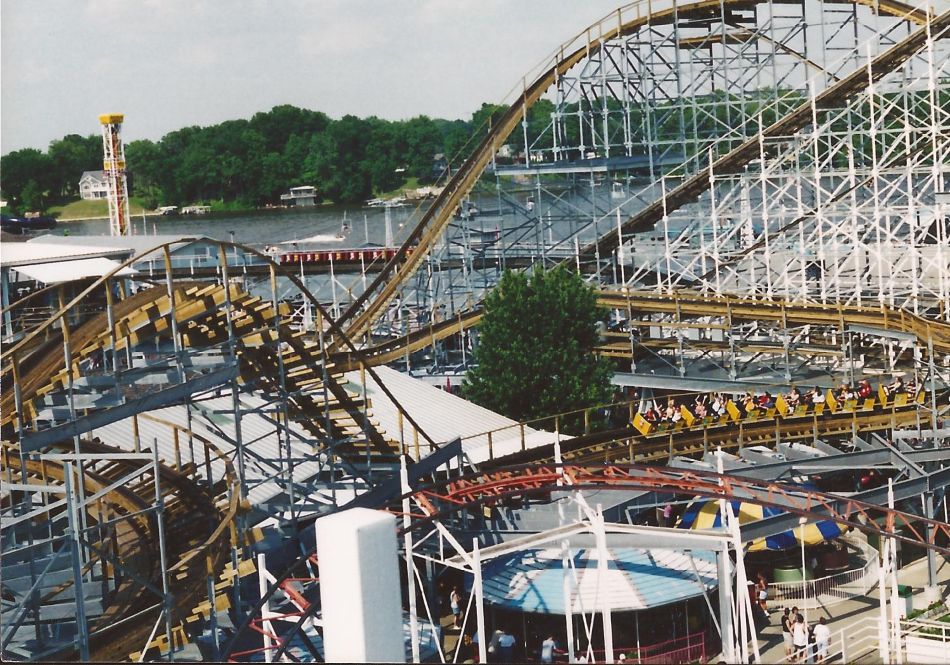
[50, 249]
[67, 271]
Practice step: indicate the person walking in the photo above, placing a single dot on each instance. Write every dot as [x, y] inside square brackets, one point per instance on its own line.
[455, 600]
[822, 639]
[494, 646]
[506, 647]
[800, 639]
[762, 592]
[547, 649]
[787, 633]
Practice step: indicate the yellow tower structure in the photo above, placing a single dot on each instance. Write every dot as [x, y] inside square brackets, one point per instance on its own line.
[113, 163]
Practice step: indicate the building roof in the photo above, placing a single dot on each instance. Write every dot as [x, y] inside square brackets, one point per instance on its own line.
[54, 249]
[636, 579]
[99, 176]
[131, 245]
[443, 416]
[68, 271]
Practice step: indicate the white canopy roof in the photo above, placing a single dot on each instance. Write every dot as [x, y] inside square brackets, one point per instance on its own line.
[635, 579]
[443, 416]
[16, 254]
[67, 271]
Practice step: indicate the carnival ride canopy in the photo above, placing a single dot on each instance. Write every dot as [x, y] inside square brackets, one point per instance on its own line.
[635, 579]
[706, 515]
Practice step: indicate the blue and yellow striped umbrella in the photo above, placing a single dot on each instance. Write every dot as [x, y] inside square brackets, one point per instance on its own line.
[704, 514]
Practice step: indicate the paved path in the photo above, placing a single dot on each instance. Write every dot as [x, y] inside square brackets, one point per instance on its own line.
[841, 616]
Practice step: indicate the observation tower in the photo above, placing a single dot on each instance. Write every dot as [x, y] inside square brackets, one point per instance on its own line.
[113, 164]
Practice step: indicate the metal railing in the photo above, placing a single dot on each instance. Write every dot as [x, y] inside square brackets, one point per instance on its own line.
[831, 589]
[925, 641]
[691, 648]
[854, 642]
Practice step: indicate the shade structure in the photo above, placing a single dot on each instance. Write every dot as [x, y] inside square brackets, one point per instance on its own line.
[703, 514]
[56, 272]
[635, 579]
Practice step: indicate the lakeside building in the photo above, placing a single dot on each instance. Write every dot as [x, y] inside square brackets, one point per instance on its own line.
[93, 185]
[303, 195]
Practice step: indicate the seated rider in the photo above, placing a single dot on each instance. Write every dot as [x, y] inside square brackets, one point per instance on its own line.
[896, 387]
[793, 397]
[748, 403]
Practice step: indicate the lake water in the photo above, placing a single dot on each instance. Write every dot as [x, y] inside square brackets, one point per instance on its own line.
[261, 227]
[573, 209]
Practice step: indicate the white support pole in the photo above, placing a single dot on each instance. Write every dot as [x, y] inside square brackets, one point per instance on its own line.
[600, 535]
[725, 585]
[742, 596]
[745, 601]
[359, 587]
[479, 602]
[801, 538]
[895, 594]
[620, 252]
[725, 606]
[265, 610]
[410, 569]
[566, 585]
[884, 651]
[336, 304]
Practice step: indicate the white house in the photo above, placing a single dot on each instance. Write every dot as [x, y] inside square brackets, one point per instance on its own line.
[304, 195]
[93, 185]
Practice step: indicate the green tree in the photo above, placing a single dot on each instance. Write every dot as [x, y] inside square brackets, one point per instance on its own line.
[27, 168]
[421, 140]
[535, 354]
[32, 197]
[455, 140]
[144, 159]
[282, 122]
[486, 116]
[339, 161]
[70, 156]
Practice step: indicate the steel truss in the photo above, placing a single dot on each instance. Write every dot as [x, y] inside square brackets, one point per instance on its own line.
[436, 517]
[784, 153]
[763, 103]
[219, 364]
[105, 547]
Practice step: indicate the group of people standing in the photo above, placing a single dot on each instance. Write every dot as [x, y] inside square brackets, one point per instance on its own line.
[501, 646]
[804, 643]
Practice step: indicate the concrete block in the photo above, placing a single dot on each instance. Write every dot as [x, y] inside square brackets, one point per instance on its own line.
[359, 587]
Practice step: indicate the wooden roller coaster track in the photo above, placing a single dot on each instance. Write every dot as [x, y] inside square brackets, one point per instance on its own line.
[198, 517]
[360, 316]
[686, 306]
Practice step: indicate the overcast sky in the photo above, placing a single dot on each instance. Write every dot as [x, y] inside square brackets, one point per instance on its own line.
[167, 64]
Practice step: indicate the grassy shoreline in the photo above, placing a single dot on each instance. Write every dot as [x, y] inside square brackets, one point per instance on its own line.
[81, 210]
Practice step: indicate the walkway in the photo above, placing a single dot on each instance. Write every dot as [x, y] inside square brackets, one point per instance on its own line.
[845, 614]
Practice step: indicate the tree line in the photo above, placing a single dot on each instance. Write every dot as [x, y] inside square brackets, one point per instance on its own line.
[249, 163]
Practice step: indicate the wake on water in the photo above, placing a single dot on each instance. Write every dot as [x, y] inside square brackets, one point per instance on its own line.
[316, 238]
